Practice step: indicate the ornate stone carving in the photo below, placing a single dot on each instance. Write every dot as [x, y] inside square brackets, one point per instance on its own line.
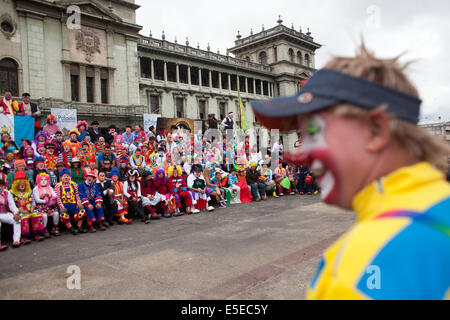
[88, 42]
[8, 26]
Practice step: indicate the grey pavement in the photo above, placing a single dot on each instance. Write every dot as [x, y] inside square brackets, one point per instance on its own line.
[264, 250]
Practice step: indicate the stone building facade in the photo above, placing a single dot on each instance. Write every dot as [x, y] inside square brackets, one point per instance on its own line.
[90, 55]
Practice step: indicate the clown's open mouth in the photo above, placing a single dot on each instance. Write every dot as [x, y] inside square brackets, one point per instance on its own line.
[324, 178]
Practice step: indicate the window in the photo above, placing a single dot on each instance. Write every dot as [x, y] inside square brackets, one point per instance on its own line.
[180, 107]
[9, 77]
[263, 57]
[75, 85]
[307, 60]
[146, 68]
[275, 54]
[299, 57]
[155, 105]
[104, 90]
[90, 89]
[202, 109]
[291, 55]
[222, 110]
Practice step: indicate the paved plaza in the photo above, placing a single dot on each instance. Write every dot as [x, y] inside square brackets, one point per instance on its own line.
[265, 250]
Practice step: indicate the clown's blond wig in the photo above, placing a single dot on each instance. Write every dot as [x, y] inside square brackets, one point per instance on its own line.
[390, 73]
[172, 169]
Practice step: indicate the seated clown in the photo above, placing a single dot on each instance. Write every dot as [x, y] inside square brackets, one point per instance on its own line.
[9, 214]
[92, 200]
[180, 191]
[44, 200]
[69, 203]
[31, 220]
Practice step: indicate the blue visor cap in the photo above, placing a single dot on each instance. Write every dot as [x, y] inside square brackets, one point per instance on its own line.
[327, 88]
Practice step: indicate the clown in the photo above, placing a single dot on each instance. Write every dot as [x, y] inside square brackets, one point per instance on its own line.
[197, 186]
[282, 180]
[119, 198]
[150, 198]
[163, 186]
[167, 163]
[75, 145]
[137, 161]
[180, 191]
[50, 156]
[82, 127]
[69, 203]
[39, 141]
[67, 153]
[31, 220]
[117, 143]
[359, 117]
[29, 157]
[91, 168]
[153, 166]
[44, 199]
[9, 214]
[51, 128]
[92, 200]
[132, 192]
[99, 147]
[85, 155]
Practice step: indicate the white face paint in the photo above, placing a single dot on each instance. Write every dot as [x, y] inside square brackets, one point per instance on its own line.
[44, 182]
[316, 149]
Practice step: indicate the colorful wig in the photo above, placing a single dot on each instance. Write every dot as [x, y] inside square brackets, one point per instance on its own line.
[171, 170]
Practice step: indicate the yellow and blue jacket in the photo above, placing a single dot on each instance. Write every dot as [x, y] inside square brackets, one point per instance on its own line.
[399, 247]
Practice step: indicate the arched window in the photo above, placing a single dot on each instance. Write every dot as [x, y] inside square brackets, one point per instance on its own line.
[263, 57]
[291, 55]
[9, 79]
[299, 57]
[307, 60]
[248, 58]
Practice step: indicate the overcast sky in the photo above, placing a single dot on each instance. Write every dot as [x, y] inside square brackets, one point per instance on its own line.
[419, 28]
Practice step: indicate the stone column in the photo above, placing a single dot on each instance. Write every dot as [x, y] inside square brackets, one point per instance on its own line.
[189, 75]
[254, 86]
[246, 85]
[83, 93]
[152, 66]
[229, 83]
[220, 80]
[111, 87]
[67, 83]
[178, 72]
[262, 87]
[200, 77]
[210, 79]
[97, 86]
[165, 72]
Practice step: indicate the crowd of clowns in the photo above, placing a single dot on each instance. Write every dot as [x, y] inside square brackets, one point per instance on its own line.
[88, 181]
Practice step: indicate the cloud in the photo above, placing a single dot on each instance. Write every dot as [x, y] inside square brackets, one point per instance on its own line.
[419, 28]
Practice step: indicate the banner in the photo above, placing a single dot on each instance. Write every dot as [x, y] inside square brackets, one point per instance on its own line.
[66, 118]
[150, 120]
[244, 122]
[18, 127]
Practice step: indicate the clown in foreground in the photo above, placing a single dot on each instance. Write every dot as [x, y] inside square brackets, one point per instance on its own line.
[361, 140]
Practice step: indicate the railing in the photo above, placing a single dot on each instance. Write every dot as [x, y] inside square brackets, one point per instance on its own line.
[272, 31]
[178, 48]
[45, 105]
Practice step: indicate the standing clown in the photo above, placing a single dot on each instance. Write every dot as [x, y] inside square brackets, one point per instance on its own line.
[92, 200]
[30, 220]
[44, 199]
[69, 202]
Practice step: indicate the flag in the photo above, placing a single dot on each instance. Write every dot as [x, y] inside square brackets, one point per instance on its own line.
[18, 127]
[244, 122]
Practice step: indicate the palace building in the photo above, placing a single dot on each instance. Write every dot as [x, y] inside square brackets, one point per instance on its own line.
[90, 56]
